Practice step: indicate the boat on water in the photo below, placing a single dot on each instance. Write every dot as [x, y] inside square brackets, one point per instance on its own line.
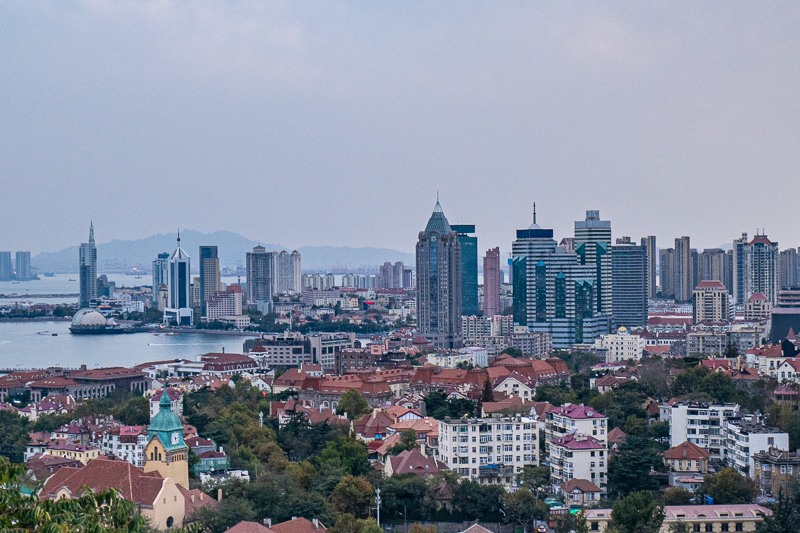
[171, 334]
[49, 274]
[71, 280]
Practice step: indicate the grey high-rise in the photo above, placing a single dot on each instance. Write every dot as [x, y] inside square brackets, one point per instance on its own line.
[593, 246]
[87, 270]
[469, 267]
[683, 270]
[24, 265]
[666, 272]
[209, 274]
[649, 244]
[160, 273]
[439, 282]
[629, 269]
[261, 271]
[6, 268]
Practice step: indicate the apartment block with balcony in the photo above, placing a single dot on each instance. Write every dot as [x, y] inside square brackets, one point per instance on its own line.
[701, 424]
[576, 419]
[489, 450]
[577, 456]
[745, 438]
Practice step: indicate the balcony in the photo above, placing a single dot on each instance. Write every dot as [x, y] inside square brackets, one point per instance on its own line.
[494, 470]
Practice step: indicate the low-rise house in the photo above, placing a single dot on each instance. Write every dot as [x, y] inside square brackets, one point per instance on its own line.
[776, 471]
[712, 518]
[413, 462]
[581, 492]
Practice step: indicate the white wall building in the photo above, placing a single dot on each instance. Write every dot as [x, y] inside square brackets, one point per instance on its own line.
[621, 346]
[489, 450]
[701, 424]
[577, 456]
[748, 436]
[577, 419]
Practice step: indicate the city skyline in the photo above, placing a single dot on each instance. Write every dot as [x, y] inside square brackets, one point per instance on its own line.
[679, 107]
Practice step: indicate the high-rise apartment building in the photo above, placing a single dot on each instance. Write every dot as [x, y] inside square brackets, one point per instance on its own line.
[553, 292]
[649, 244]
[683, 270]
[469, 267]
[209, 274]
[710, 302]
[756, 268]
[790, 269]
[6, 268]
[24, 265]
[179, 297]
[289, 273]
[160, 272]
[666, 272]
[439, 282]
[260, 266]
[629, 270]
[593, 246]
[492, 276]
[391, 276]
[87, 270]
[712, 266]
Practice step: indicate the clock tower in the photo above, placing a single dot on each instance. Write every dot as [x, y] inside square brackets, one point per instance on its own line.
[166, 452]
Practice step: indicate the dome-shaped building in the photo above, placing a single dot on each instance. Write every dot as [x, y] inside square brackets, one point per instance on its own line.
[90, 321]
[89, 318]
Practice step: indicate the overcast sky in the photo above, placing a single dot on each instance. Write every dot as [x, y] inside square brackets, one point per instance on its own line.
[314, 123]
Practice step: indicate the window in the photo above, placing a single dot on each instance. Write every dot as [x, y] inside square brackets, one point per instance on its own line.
[696, 528]
[595, 526]
[724, 527]
[739, 526]
[709, 528]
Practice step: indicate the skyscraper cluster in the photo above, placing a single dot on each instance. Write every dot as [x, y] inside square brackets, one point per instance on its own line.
[22, 270]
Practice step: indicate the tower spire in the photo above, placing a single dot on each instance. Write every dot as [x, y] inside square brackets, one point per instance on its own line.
[179, 235]
[91, 231]
[534, 212]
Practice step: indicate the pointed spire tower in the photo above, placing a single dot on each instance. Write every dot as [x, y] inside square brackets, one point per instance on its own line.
[87, 270]
[179, 285]
[166, 452]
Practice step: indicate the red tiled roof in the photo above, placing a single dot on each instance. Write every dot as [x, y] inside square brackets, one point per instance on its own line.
[757, 296]
[413, 462]
[710, 284]
[617, 436]
[686, 450]
[248, 527]
[172, 392]
[582, 485]
[298, 525]
[576, 411]
[578, 442]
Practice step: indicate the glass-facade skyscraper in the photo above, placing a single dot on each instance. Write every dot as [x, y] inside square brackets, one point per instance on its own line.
[629, 269]
[87, 270]
[160, 273]
[469, 267]
[593, 246]
[209, 274]
[179, 299]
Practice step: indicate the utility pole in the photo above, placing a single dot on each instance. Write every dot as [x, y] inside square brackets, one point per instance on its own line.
[261, 419]
[378, 504]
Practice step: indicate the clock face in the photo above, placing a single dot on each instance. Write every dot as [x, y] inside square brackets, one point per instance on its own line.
[175, 438]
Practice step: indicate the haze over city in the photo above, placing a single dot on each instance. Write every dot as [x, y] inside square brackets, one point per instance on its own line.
[337, 123]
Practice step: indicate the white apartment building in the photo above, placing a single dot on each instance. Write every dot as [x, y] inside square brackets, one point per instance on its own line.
[701, 424]
[125, 442]
[489, 450]
[225, 303]
[480, 356]
[576, 419]
[621, 346]
[450, 359]
[746, 437]
[577, 456]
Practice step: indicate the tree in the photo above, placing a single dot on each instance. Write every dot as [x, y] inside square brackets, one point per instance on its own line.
[408, 441]
[229, 512]
[403, 494]
[416, 527]
[488, 392]
[679, 527]
[522, 507]
[677, 496]
[347, 523]
[513, 352]
[728, 487]
[785, 517]
[478, 501]
[352, 404]
[346, 453]
[639, 512]
[535, 478]
[91, 511]
[629, 471]
[353, 495]
[580, 525]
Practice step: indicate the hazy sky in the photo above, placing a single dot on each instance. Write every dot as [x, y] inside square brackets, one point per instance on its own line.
[311, 123]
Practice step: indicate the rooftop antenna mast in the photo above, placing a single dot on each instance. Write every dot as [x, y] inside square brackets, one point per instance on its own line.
[534, 212]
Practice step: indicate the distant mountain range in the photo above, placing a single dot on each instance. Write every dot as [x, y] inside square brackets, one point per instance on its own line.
[122, 256]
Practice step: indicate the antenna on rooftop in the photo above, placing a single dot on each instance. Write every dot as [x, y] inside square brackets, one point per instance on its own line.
[534, 212]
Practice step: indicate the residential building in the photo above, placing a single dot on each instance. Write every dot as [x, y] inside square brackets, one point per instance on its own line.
[757, 268]
[686, 457]
[706, 518]
[581, 492]
[210, 282]
[325, 345]
[578, 456]
[785, 316]
[260, 271]
[710, 302]
[775, 471]
[683, 270]
[413, 462]
[6, 268]
[701, 424]
[160, 273]
[748, 436]
[790, 269]
[226, 306]
[179, 308]
[553, 292]
[492, 278]
[666, 272]
[757, 308]
[621, 346]
[489, 450]
[629, 271]
[287, 349]
[576, 419]
[87, 270]
[712, 266]
[649, 244]
[593, 247]
[125, 442]
[469, 267]
[289, 273]
[439, 283]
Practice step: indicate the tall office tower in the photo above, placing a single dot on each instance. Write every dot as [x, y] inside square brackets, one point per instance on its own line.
[738, 265]
[762, 268]
[695, 267]
[593, 246]
[469, 267]
[728, 281]
[666, 272]
[629, 270]
[408, 278]
[260, 267]
[649, 244]
[710, 302]
[439, 282]
[210, 282]
[712, 265]
[789, 268]
[24, 265]
[289, 273]
[6, 268]
[195, 292]
[492, 276]
[87, 269]
[179, 288]
[683, 270]
[553, 292]
[160, 273]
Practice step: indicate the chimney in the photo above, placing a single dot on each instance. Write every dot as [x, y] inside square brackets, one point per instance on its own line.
[268, 522]
[219, 495]
[316, 523]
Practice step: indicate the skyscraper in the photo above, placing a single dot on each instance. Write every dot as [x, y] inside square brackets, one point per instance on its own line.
[649, 244]
[492, 276]
[738, 266]
[260, 267]
[209, 274]
[87, 270]
[666, 272]
[683, 270]
[553, 291]
[593, 246]
[160, 273]
[439, 282]
[289, 273]
[790, 268]
[179, 298]
[469, 267]
[712, 265]
[24, 265]
[762, 268]
[6, 268]
[629, 270]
